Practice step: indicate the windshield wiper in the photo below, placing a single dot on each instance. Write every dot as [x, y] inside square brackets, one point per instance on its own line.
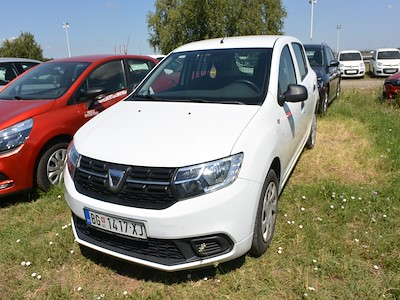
[147, 97]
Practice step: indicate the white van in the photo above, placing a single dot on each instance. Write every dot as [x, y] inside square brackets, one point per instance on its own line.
[385, 62]
[187, 171]
[351, 63]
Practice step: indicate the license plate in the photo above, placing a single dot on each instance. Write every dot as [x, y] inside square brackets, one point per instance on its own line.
[351, 72]
[117, 225]
[390, 71]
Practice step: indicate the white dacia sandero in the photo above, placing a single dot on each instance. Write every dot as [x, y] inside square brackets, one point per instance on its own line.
[187, 170]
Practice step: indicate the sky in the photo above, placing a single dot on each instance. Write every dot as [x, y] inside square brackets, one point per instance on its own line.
[110, 26]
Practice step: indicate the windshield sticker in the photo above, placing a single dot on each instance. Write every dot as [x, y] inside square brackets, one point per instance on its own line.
[213, 72]
[113, 96]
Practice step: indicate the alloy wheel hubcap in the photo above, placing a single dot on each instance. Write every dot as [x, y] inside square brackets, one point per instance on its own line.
[269, 211]
[55, 166]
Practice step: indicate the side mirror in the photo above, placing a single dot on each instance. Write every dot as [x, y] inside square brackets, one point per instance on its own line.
[92, 94]
[334, 63]
[294, 93]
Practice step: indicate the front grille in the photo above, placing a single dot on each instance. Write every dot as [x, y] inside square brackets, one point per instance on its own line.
[162, 251]
[143, 187]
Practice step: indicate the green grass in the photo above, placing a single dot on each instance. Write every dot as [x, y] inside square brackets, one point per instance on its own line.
[337, 235]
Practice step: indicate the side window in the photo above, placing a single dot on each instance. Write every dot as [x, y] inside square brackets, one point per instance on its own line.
[109, 76]
[301, 59]
[138, 69]
[330, 56]
[287, 74]
[7, 73]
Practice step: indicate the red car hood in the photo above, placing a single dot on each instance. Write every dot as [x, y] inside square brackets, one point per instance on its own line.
[14, 111]
[394, 76]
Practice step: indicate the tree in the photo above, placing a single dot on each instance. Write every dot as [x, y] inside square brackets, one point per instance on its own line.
[23, 46]
[177, 22]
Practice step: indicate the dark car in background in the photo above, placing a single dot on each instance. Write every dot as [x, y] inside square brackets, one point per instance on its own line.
[323, 62]
[391, 87]
[11, 67]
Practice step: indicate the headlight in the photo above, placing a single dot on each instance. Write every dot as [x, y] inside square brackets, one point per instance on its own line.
[207, 177]
[15, 135]
[73, 159]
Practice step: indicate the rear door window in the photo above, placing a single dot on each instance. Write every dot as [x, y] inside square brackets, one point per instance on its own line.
[301, 59]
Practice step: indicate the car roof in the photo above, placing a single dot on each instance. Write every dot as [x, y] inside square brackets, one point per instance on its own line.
[387, 49]
[315, 46]
[103, 57]
[17, 59]
[253, 41]
[349, 51]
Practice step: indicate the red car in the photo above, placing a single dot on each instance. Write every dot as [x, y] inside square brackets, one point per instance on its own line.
[391, 87]
[42, 109]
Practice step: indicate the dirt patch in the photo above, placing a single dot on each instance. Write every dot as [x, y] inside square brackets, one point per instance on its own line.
[366, 83]
[339, 155]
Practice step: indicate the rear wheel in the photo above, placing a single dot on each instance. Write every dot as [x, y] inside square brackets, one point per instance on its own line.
[323, 107]
[264, 226]
[51, 166]
[338, 90]
[313, 134]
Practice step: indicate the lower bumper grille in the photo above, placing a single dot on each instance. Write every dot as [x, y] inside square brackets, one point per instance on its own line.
[166, 252]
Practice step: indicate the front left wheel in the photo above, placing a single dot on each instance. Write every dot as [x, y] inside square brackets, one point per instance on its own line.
[264, 226]
[51, 165]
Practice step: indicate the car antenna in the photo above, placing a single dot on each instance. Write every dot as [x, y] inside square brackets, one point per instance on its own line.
[222, 40]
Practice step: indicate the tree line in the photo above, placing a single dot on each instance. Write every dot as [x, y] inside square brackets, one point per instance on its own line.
[177, 22]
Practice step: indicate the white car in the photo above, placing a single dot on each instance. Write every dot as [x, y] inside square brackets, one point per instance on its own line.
[351, 63]
[385, 62]
[187, 171]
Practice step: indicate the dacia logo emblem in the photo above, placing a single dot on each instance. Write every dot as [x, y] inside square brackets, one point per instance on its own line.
[116, 179]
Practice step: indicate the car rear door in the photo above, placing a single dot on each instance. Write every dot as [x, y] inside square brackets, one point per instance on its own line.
[306, 78]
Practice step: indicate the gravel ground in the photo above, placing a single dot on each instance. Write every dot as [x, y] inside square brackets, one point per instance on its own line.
[365, 83]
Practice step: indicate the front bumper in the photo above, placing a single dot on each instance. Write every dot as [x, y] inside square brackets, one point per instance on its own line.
[352, 72]
[192, 233]
[16, 172]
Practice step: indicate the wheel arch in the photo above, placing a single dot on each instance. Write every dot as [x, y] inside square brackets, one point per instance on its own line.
[57, 139]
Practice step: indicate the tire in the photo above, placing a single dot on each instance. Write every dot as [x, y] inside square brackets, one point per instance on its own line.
[338, 90]
[51, 165]
[310, 144]
[323, 107]
[264, 226]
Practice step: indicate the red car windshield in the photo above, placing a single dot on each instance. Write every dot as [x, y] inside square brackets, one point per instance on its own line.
[46, 81]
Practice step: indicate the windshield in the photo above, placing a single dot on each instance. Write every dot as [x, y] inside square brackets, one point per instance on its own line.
[350, 56]
[46, 81]
[315, 57]
[389, 55]
[238, 76]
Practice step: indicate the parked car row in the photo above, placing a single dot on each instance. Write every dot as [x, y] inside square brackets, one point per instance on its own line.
[42, 108]
[323, 62]
[215, 126]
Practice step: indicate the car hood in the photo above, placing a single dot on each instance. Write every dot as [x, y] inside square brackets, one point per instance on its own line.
[163, 134]
[390, 62]
[393, 79]
[14, 111]
[351, 63]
